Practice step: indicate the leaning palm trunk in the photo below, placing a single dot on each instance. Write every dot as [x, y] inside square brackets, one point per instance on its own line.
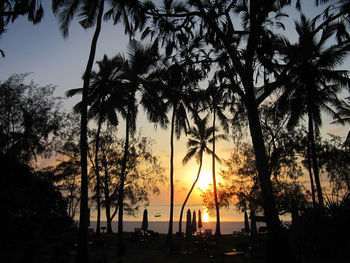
[188, 195]
[121, 248]
[170, 229]
[82, 250]
[218, 230]
[314, 162]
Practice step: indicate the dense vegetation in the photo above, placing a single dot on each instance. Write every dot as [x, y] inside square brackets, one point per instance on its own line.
[260, 81]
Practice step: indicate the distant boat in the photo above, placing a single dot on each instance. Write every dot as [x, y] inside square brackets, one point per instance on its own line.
[157, 215]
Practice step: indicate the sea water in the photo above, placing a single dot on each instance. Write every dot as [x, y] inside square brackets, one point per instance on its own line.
[158, 217]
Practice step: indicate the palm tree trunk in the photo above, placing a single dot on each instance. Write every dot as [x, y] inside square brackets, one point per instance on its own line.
[97, 170]
[218, 230]
[189, 193]
[314, 161]
[82, 250]
[121, 248]
[310, 174]
[170, 229]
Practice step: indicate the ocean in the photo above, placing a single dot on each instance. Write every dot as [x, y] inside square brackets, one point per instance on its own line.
[158, 217]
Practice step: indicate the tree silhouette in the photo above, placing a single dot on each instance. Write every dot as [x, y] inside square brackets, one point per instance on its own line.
[140, 62]
[312, 82]
[176, 96]
[343, 111]
[30, 118]
[197, 144]
[217, 100]
[245, 53]
[11, 9]
[90, 13]
[102, 109]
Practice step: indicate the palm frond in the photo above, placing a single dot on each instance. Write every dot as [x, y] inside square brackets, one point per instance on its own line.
[189, 155]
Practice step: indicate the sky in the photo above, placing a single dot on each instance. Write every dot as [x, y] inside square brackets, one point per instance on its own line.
[52, 59]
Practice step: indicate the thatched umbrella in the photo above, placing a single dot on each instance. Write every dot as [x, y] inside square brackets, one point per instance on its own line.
[194, 222]
[144, 225]
[253, 224]
[200, 225]
[188, 224]
[246, 222]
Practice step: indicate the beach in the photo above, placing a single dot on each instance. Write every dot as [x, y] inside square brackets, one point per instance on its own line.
[162, 226]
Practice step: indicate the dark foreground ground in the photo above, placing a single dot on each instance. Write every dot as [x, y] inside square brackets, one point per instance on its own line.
[139, 248]
[151, 249]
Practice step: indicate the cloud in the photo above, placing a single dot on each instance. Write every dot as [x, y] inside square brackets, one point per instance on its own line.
[226, 150]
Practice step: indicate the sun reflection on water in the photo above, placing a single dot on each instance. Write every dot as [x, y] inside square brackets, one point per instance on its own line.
[205, 215]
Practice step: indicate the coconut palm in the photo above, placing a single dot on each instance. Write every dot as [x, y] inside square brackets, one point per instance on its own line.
[101, 109]
[197, 144]
[141, 60]
[313, 82]
[176, 94]
[217, 99]
[90, 13]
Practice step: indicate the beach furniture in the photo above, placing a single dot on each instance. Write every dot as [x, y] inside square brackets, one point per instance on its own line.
[208, 232]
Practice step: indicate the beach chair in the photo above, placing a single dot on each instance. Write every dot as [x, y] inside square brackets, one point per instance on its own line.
[208, 232]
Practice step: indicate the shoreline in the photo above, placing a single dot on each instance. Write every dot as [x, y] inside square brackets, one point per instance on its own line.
[227, 227]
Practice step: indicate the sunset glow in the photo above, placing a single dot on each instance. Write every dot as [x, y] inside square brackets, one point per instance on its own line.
[204, 181]
[205, 215]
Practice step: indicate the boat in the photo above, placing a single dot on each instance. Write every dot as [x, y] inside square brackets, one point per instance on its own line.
[157, 215]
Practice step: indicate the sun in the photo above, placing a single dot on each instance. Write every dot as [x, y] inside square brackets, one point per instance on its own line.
[205, 180]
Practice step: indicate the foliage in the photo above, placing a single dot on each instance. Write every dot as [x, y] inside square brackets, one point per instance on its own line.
[30, 117]
[143, 171]
[32, 207]
[11, 9]
[241, 180]
[67, 171]
[324, 233]
[335, 163]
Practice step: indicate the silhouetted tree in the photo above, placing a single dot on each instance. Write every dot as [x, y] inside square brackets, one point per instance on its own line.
[197, 145]
[11, 9]
[217, 100]
[90, 13]
[30, 118]
[334, 159]
[343, 111]
[243, 53]
[174, 95]
[102, 109]
[313, 83]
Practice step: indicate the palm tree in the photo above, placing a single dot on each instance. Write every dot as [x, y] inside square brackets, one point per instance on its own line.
[179, 80]
[313, 83]
[197, 144]
[216, 99]
[101, 108]
[344, 114]
[91, 13]
[139, 64]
